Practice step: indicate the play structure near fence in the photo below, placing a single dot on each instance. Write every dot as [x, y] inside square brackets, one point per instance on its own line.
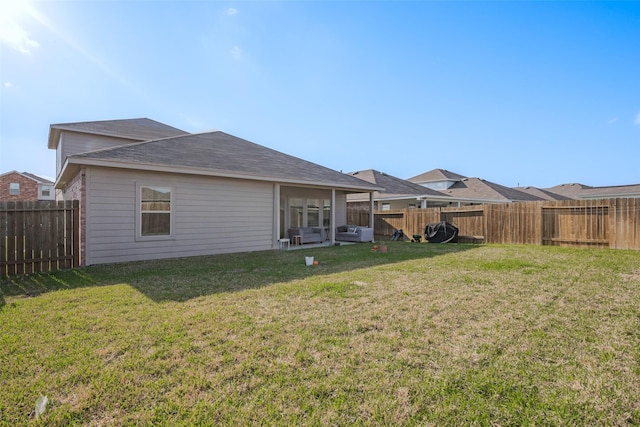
[607, 223]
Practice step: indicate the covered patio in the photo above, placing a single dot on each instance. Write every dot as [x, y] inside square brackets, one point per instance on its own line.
[320, 209]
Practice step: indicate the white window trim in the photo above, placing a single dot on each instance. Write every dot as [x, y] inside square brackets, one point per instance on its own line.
[305, 211]
[14, 188]
[46, 188]
[139, 236]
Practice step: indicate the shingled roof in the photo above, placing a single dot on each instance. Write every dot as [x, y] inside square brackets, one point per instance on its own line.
[543, 194]
[476, 188]
[568, 190]
[437, 175]
[142, 129]
[36, 178]
[611, 191]
[394, 188]
[216, 154]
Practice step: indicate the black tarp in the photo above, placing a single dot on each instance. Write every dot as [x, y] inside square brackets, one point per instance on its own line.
[441, 232]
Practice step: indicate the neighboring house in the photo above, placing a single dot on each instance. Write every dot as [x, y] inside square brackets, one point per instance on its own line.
[437, 179]
[581, 191]
[621, 191]
[178, 194]
[420, 191]
[397, 193]
[24, 186]
[480, 191]
[469, 191]
[568, 190]
[543, 194]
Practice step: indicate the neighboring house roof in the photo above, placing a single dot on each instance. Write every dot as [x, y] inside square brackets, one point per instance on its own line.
[542, 193]
[581, 191]
[568, 190]
[609, 192]
[394, 188]
[142, 129]
[481, 190]
[215, 154]
[436, 175]
[36, 178]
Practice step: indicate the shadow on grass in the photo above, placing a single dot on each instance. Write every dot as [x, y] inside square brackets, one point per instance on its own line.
[181, 279]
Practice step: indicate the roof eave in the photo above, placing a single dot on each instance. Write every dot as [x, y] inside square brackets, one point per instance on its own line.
[56, 130]
[54, 137]
[73, 163]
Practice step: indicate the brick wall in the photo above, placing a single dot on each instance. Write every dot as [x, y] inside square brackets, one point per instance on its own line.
[76, 190]
[28, 188]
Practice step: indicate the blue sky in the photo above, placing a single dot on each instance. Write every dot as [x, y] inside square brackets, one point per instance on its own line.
[528, 93]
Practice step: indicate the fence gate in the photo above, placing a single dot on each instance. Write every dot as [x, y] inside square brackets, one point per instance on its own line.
[39, 236]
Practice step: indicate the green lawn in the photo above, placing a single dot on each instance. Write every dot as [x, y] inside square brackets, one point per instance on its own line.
[422, 335]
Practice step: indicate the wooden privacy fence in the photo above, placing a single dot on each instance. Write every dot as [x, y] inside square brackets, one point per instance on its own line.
[612, 223]
[38, 236]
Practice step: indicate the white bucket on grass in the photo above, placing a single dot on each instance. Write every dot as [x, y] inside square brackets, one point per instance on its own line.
[308, 260]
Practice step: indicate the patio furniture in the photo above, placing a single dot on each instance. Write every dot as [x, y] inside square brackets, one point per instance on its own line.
[354, 233]
[284, 243]
[307, 234]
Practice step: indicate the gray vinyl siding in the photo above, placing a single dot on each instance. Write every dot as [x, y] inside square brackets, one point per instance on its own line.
[77, 143]
[210, 215]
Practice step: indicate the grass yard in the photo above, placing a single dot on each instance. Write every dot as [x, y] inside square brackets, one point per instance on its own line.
[421, 335]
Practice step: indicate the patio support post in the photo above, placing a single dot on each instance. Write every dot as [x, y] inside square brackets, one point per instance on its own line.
[332, 223]
[371, 218]
[276, 214]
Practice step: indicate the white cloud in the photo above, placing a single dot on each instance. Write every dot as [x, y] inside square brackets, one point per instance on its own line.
[638, 119]
[12, 32]
[17, 38]
[613, 120]
[231, 11]
[236, 52]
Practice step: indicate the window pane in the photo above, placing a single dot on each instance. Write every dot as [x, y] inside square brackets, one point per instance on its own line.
[153, 194]
[296, 213]
[155, 208]
[313, 213]
[326, 213]
[156, 224]
[14, 188]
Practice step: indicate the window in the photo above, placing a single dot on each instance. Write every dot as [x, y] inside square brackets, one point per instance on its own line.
[296, 212]
[14, 188]
[46, 190]
[155, 211]
[386, 206]
[306, 212]
[326, 213]
[313, 213]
